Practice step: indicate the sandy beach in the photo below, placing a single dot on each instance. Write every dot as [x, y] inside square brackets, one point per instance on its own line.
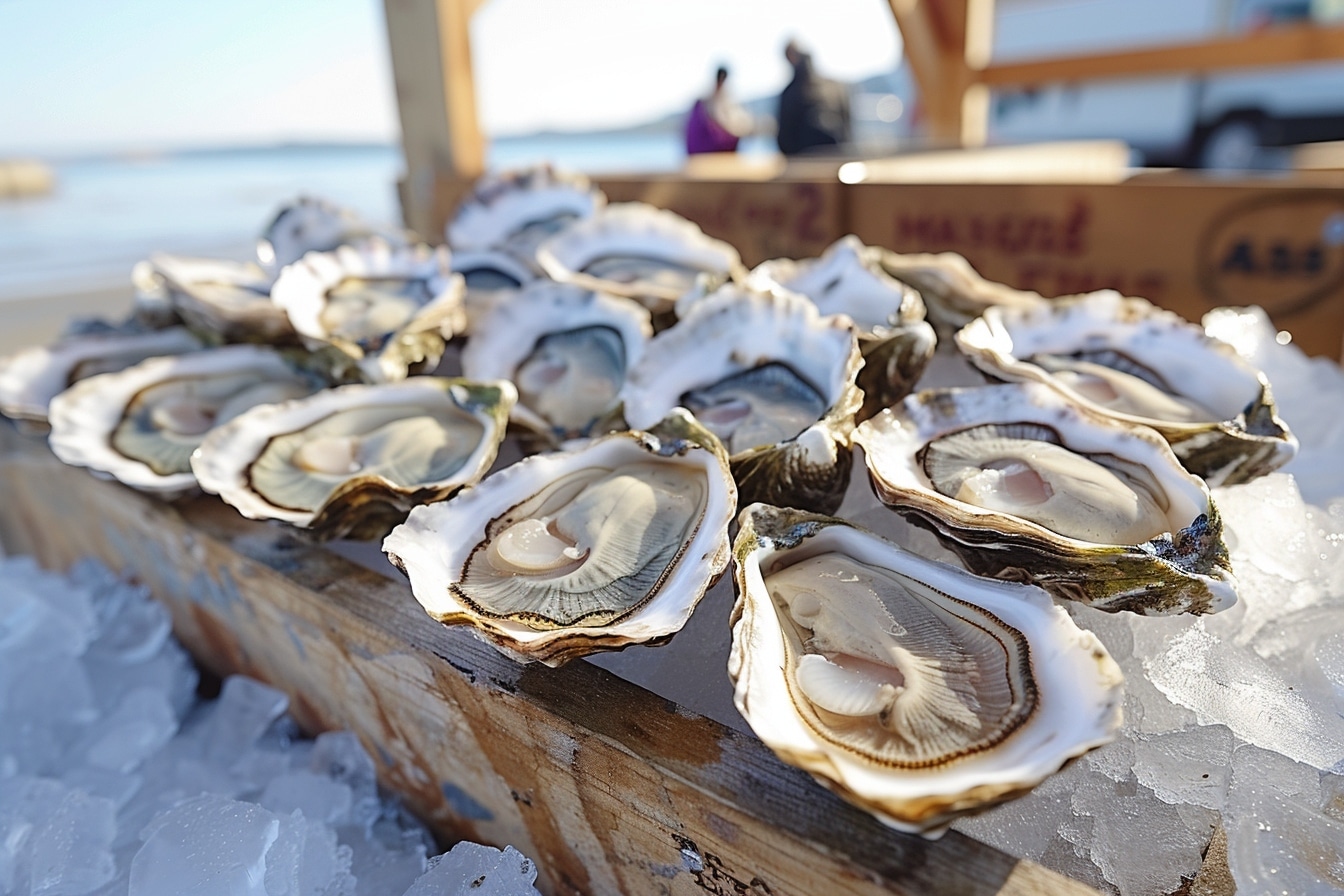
[38, 320]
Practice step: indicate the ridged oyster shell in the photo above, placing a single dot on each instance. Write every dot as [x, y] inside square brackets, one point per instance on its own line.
[1024, 485]
[229, 301]
[31, 377]
[638, 251]
[954, 292]
[518, 209]
[352, 461]
[773, 379]
[309, 224]
[388, 311]
[565, 348]
[608, 544]
[488, 274]
[910, 688]
[848, 278]
[1132, 361]
[140, 425]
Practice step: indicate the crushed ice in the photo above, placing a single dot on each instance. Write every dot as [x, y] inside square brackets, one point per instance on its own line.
[115, 779]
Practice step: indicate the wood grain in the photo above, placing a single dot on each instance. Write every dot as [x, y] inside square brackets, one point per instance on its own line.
[610, 788]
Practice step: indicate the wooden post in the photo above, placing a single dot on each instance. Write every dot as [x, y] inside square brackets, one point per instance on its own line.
[441, 137]
[947, 42]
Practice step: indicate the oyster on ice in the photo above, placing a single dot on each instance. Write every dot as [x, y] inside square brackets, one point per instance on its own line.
[638, 251]
[848, 278]
[140, 425]
[608, 544]
[772, 379]
[30, 378]
[387, 311]
[953, 291]
[566, 348]
[1023, 484]
[1137, 363]
[352, 461]
[516, 210]
[910, 688]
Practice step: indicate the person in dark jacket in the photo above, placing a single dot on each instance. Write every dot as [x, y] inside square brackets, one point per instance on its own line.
[813, 111]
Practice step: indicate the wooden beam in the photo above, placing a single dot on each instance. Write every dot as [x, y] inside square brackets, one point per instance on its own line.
[441, 137]
[944, 41]
[1276, 46]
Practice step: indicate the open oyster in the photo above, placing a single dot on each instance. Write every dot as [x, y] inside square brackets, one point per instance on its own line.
[849, 278]
[315, 225]
[1132, 361]
[30, 378]
[566, 348]
[140, 425]
[388, 310]
[517, 209]
[772, 379]
[486, 275]
[610, 544]
[1023, 484]
[912, 689]
[638, 251]
[953, 291]
[351, 461]
[229, 301]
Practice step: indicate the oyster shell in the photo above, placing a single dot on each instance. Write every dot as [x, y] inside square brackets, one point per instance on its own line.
[848, 278]
[954, 292]
[486, 275]
[388, 311]
[227, 300]
[638, 251]
[520, 208]
[596, 548]
[30, 378]
[1134, 362]
[140, 425]
[772, 379]
[566, 348]
[351, 461]
[309, 224]
[1023, 484]
[912, 689]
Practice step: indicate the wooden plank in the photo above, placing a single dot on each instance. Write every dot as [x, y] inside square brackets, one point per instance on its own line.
[436, 99]
[1284, 45]
[944, 41]
[610, 788]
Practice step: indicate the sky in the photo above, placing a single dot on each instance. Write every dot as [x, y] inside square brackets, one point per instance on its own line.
[90, 75]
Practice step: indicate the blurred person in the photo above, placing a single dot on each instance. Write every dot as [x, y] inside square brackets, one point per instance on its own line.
[716, 122]
[813, 111]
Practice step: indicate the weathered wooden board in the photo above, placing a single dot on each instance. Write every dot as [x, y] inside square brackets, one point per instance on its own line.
[609, 787]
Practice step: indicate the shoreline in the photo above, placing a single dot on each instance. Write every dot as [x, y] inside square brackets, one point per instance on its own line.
[38, 320]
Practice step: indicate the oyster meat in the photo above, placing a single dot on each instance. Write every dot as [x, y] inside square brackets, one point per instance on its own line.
[910, 688]
[638, 251]
[352, 461]
[566, 348]
[1023, 484]
[140, 425]
[1135, 362]
[388, 311]
[563, 554]
[772, 379]
[30, 378]
[848, 278]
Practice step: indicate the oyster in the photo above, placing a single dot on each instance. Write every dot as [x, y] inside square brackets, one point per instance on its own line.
[518, 209]
[140, 425]
[1023, 484]
[638, 251]
[387, 310]
[226, 300]
[566, 348]
[910, 688]
[314, 225]
[487, 274]
[351, 461]
[772, 379]
[30, 378]
[606, 545]
[1134, 362]
[849, 278]
[953, 291]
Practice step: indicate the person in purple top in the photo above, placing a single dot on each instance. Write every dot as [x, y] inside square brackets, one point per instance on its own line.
[716, 123]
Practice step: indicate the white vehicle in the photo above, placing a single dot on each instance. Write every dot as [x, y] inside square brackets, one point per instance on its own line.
[1225, 120]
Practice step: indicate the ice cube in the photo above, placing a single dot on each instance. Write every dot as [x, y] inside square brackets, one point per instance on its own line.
[207, 846]
[1191, 766]
[470, 869]
[72, 849]
[142, 724]
[319, 798]
[340, 756]
[243, 712]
